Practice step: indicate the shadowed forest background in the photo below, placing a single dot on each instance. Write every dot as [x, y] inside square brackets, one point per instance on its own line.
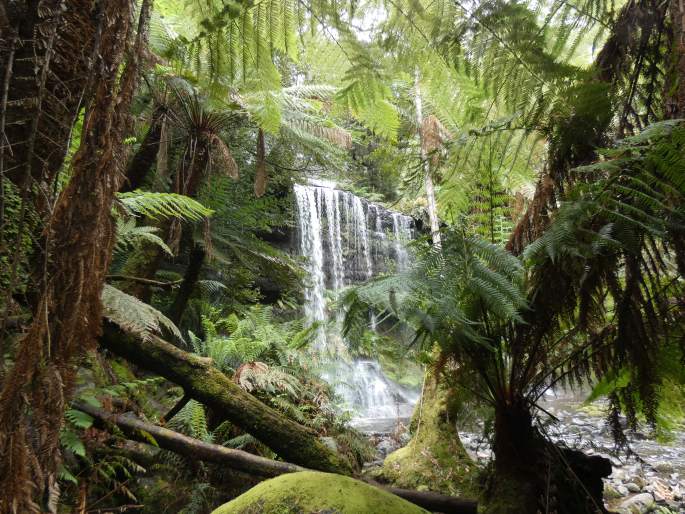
[361, 256]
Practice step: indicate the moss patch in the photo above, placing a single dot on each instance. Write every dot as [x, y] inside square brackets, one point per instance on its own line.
[434, 459]
[310, 492]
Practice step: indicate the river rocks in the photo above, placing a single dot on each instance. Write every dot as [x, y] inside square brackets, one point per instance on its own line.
[610, 492]
[663, 467]
[638, 504]
[633, 487]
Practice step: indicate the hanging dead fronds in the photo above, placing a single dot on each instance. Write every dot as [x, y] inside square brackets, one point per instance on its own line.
[224, 157]
[433, 136]
[68, 315]
[261, 176]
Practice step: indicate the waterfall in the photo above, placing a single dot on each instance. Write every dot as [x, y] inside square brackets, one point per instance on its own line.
[347, 240]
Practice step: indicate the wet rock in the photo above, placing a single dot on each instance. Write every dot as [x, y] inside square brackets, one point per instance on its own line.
[663, 467]
[610, 492]
[633, 487]
[386, 446]
[638, 504]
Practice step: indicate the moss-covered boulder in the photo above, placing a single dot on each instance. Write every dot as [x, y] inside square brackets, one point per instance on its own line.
[310, 492]
[434, 459]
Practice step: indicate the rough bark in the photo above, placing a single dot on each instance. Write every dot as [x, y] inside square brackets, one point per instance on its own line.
[68, 315]
[239, 460]
[206, 384]
[428, 179]
[192, 448]
[53, 43]
[532, 474]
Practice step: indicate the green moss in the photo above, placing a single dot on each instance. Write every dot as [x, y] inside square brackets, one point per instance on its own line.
[434, 459]
[405, 372]
[310, 492]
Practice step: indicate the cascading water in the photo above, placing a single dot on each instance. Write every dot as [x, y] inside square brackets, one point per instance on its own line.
[347, 240]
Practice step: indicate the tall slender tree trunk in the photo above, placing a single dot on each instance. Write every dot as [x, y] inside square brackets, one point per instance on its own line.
[675, 86]
[79, 234]
[675, 108]
[427, 179]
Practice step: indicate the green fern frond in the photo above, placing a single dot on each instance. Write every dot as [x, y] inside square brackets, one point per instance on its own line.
[162, 205]
[135, 316]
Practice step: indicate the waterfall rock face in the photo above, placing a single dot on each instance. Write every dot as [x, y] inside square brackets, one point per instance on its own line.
[347, 240]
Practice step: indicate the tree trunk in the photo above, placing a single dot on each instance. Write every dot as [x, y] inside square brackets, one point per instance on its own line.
[531, 474]
[206, 384]
[427, 179]
[143, 160]
[192, 275]
[79, 234]
[147, 260]
[434, 457]
[47, 64]
[516, 484]
[191, 448]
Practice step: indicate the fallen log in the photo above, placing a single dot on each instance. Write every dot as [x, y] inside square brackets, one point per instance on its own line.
[202, 381]
[190, 447]
[434, 502]
[260, 466]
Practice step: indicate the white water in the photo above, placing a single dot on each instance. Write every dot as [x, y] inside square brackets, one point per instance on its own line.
[347, 240]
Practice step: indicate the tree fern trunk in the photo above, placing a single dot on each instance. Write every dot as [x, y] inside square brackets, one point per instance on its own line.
[428, 179]
[675, 86]
[54, 43]
[192, 275]
[79, 236]
[143, 160]
[148, 259]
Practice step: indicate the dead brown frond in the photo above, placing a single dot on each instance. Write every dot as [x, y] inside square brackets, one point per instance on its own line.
[67, 317]
[223, 155]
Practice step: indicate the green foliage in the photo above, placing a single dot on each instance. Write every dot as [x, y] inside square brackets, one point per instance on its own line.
[192, 420]
[128, 235]
[135, 316]
[162, 205]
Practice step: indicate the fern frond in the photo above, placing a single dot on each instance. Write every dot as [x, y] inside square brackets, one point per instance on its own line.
[162, 205]
[135, 316]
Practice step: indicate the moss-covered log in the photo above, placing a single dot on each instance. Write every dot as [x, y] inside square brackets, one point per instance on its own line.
[190, 447]
[206, 384]
[254, 465]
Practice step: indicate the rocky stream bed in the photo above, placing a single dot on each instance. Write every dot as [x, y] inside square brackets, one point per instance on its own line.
[648, 478]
